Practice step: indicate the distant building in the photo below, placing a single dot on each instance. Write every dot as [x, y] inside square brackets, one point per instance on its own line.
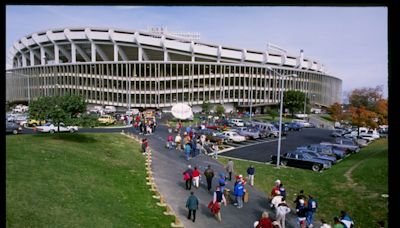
[130, 68]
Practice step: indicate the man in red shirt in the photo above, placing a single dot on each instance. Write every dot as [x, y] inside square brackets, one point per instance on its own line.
[265, 221]
[196, 177]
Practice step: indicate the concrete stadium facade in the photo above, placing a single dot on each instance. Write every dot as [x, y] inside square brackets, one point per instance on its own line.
[135, 69]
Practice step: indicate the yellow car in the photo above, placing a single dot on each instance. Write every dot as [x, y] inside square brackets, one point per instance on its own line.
[35, 123]
[106, 119]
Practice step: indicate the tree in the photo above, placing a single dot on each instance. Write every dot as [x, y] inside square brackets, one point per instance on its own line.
[219, 109]
[273, 112]
[58, 109]
[336, 111]
[206, 106]
[368, 103]
[293, 100]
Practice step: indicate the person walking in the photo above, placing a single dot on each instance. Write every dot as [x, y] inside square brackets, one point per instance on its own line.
[239, 192]
[215, 149]
[218, 197]
[189, 178]
[145, 145]
[196, 177]
[282, 190]
[311, 209]
[192, 203]
[281, 211]
[276, 200]
[346, 219]
[209, 174]
[188, 150]
[301, 213]
[264, 222]
[250, 174]
[222, 181]
[170, 139]
[178, 140]
[229, 169]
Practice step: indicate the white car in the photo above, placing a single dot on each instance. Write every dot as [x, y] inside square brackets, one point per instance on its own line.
[234, 136]
[49, 127]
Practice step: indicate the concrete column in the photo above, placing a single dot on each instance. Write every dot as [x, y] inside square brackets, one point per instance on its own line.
[23, 61]
[42, 56]
[56, 54]
[115, 53]
[165, 55]
[93, 52]
[140, 54]
[73, 53]
[18, 62]
[32, 56]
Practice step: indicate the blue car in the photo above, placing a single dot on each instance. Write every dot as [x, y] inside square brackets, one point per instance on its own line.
[294, 126]
[319, 156]
[325, 150]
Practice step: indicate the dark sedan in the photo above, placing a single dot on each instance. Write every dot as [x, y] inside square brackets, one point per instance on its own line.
[300, 160]
[12, 127]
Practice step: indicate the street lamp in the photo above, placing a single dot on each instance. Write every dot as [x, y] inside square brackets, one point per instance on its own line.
[305, 104]
[280, 114]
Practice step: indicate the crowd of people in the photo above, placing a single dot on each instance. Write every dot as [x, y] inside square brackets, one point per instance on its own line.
[305, 206]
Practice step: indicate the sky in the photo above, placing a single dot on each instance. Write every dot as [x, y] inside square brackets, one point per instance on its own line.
[352, 42]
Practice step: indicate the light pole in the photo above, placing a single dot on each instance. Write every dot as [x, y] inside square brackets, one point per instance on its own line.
[278, 158]
[305, 102]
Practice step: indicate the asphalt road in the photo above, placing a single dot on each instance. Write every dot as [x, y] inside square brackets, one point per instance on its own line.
[262, 151]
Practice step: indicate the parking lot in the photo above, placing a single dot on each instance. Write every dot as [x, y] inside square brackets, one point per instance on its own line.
[261, 150]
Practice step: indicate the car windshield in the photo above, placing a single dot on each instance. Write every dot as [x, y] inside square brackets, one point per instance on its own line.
[307, 156]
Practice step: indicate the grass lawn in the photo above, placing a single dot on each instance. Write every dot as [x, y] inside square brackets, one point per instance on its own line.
[354, 185]
[78, 180]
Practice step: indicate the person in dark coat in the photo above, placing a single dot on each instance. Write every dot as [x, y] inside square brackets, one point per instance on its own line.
[209, 174]
[192, 203]
[189, 170]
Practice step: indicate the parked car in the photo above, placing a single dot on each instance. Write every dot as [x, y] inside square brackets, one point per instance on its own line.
[348, 148]
[269, 129]
[12, 127]
[106, 119]
[237, 122]
[34, 123]
[49, 127]
[294, 126]
[234, 136]
[331, 159]
[213, 136]
[347, 141]
[338, 133]
[109, 109]
[301, 160]
[325, 150]
[248, 132]
[285, 128]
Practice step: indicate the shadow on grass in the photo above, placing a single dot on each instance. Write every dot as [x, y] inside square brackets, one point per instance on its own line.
[72, 137]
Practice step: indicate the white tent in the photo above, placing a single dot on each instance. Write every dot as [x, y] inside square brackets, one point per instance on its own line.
[182, 111]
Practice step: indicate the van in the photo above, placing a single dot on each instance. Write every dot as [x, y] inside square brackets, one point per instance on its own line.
[237, 122]
[302, 123]
[267, 128]
[109, 109]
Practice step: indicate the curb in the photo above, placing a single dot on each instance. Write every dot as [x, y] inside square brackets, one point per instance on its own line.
[153, 187]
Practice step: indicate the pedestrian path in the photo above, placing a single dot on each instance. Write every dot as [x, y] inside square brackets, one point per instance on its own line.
[168, 166]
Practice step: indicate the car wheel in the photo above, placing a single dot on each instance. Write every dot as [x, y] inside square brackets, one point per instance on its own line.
[51, 131]
[71, 130]
[316, 168]
[283, 163]
[15, 131]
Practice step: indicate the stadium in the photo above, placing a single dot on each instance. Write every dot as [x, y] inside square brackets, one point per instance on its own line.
[147, 69]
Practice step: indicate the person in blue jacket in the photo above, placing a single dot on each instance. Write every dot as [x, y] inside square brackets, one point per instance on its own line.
[250, 173]
[346, 219]
[311, 209]
[239, 192]
[222, 182]
[192, 203]
[188, 149]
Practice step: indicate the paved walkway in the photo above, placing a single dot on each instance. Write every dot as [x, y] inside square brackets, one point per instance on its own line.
[168, 166]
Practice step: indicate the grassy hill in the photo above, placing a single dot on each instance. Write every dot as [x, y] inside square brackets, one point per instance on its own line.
[78, 180]
[355, 185]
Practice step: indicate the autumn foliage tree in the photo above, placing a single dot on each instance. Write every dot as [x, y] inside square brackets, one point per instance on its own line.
[336, 111]
[368, 108]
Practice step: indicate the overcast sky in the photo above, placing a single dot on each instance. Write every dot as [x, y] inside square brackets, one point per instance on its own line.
[351, 42]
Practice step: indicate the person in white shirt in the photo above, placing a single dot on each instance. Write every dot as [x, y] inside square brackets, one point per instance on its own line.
[281, 210]
[276, 200]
